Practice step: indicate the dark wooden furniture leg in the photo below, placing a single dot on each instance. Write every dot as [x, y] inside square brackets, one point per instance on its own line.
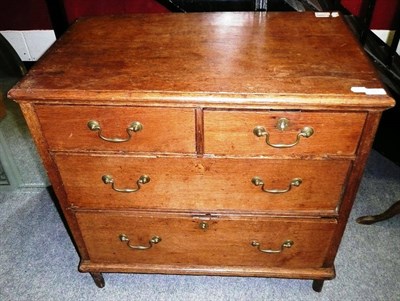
[317, 285]
[370, 219]
[98, 279]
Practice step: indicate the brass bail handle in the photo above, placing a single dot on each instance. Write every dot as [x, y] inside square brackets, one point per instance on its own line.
[135, 126]
[282, 125]
[108, 179]
[153, 241]
[285, 245]
[295, 182]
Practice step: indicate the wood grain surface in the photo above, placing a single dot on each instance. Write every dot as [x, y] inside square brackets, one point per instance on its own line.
[227, 240]
[231, 133]
[164, 129]
[198, 184]
[249, 57]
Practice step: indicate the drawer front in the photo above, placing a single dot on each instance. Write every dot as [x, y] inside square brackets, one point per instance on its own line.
[184, 240]
[203, 184]
[232, 133]
[163, 130]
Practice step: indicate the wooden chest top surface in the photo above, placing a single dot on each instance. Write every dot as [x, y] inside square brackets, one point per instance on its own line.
[241, 56]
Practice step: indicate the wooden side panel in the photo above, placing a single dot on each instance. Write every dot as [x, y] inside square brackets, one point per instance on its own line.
[34, 126]
[354, 182]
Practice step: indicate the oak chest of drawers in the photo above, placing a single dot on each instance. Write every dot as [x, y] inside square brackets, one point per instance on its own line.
[210, 143]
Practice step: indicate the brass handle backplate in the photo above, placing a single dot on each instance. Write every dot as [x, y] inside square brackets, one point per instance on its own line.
[286, 244]
[154, 240]
[108, 179]
[135, 126]
[257, 181]
[282, 125]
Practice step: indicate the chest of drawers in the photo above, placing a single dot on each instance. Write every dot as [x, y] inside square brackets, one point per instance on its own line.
[211, 143]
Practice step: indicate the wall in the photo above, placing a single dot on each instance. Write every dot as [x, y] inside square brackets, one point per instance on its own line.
[26, 25]
[33, 14]
[24, 15]
[384, 12]
[76, 8]
[383, 18]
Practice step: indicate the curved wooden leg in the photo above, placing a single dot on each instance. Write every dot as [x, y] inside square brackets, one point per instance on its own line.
[370, 219]
[317, 285]
[98, 279]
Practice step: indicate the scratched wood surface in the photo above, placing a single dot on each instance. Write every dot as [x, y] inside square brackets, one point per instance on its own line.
[227, 240]
[246, 55]
[195, 184]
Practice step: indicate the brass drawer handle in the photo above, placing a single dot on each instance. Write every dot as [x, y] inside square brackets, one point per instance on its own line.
[154, 240]
[108, 179]
[257, 181]
[286, 244]
[305, 132]
[135, 126]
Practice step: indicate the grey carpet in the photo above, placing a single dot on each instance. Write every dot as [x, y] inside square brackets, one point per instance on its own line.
[39, 262]
[20, 166]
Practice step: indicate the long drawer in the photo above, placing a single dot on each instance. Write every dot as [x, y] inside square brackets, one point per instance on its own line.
[288, 133]
[106, 128]
[185, 240]
[293, 186]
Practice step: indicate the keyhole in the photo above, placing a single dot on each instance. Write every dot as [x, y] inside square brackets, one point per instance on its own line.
[203, 225]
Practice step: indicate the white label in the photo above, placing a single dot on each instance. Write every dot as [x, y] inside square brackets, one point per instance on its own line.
[322, 14]
[368, 91]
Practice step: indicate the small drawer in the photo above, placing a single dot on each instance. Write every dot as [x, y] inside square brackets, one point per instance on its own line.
[118, 128]
[126, 238]
[290, 186]
[281, 133]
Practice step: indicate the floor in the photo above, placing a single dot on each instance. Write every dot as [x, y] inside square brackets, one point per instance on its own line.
[20, 165]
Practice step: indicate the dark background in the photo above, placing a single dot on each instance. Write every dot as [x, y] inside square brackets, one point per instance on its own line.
[33, 14]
